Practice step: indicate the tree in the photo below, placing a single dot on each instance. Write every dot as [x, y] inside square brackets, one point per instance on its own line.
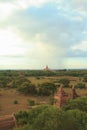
[47, 89]
[18, 81]
[49, 118]
[80, 117]
[65, 82]
[27, 88]
[53, 118]
[79, 103]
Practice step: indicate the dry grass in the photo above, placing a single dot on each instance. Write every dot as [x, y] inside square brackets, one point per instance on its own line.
[8, 97]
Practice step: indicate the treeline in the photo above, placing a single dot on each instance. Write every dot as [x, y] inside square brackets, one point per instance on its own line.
[77, 73]
[47, 117]
[24, 86]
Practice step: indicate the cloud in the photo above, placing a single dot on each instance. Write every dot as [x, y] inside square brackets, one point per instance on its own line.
[82, 46]
[76, 9]
[10, 43]
[7, 8]
[43, 31]
[76, 63]
[46, 25]
[29, 3]
[15, 50]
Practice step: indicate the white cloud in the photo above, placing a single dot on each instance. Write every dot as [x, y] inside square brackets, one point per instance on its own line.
[15, 52]
[82, 46]
[76, 63]
[73, 7]
[10, 43]
[28, 3]
[8, 8]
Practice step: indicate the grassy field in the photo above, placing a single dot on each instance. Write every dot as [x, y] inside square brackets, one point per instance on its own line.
[8, 96]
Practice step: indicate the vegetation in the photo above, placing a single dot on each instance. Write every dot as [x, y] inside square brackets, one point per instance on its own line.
[78, 103]
[15, 102]
[50, 117]
[31, 102]
[27, 88]
[80, 85]
[47, 89]
[65, 82]
[15, 73]
[85, 79]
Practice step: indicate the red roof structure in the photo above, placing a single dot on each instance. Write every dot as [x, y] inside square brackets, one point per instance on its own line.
[7, 122]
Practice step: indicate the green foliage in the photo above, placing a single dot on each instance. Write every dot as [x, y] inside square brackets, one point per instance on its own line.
[65, 82]
[80, 117]
[31, 102]
[37, 77]
[52, 118]
[51, 100]
[18, 81]
[4, 81]
[79, 103]
[22, 117]
[85, 79]
[47, 89]
[15, 73]
[27, 88]
[15, 102]
[80, 85]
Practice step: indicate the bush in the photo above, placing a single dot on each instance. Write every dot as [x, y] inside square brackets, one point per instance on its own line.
[51, 118]
[65, 82]
[47, 88]
[37, 77]
[85, 79]
[80, 85]
[27, 88]
[51, 100]
[31, 102]
[15, 102]
[78, 103]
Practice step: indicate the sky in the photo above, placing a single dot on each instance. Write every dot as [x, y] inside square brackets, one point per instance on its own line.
[36, 33]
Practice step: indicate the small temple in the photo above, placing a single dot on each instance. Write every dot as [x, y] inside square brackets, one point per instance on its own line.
[21, 74]
[7, 122]
[46, 68]
[61, 97]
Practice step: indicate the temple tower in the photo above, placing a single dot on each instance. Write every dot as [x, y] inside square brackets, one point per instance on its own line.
[60, 98]
[74, 94]
[46, 68]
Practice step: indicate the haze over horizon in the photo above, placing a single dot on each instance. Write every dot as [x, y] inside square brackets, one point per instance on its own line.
[34, 34]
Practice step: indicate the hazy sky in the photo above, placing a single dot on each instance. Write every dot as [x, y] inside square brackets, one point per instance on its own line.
[36, 33]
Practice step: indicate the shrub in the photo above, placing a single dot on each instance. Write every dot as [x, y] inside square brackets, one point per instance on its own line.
[27, 88]
[51, 100]
[80, 85]
[31, 102]
[85, 79]
[47, 88]
[65, 82]
[15, 102]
